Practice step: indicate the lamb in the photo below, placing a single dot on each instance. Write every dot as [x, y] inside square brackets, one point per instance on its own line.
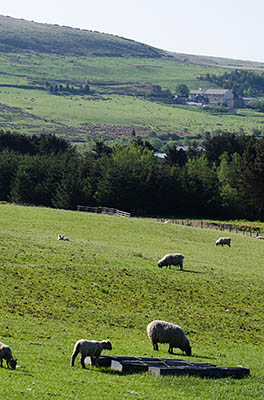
[171, 259]
[62, 237]
[89, 348]
[6, 354]
[165, 332]
[223, 240]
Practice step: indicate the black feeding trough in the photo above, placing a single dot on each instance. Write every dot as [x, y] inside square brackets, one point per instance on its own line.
[168, 366]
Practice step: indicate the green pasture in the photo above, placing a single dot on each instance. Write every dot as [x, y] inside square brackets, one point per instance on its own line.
[43, 67]
[105, 283]
[36, 111]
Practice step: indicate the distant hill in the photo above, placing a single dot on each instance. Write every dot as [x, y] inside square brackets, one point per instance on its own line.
[19, 35]
[216, 61]
[44, 69]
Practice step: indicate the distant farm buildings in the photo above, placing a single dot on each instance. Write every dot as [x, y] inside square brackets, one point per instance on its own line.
[213, 97]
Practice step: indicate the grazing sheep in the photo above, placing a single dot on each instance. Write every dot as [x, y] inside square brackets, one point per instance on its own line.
[223, 240]
[61, 237]
[171, 259]
[165, 332]
[6, 354]
[89, 348]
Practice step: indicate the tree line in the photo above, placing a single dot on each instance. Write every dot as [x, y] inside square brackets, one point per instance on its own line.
[67, 89]
[222, 179]
[240, 82]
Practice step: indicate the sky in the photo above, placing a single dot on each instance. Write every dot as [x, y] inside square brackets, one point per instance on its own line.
[226, 28]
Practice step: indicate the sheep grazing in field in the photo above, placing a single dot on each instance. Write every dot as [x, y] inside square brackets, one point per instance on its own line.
[89, 348]
[171, 259]
[165, 332]
[62, 237]
[6, 354]
[223, 240]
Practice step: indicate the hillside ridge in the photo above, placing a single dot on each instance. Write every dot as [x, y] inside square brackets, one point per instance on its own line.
[20, 35]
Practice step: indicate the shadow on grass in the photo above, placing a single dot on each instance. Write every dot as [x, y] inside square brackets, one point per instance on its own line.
[194, 356]
[104, 370]
[192, 272]
[21, 370]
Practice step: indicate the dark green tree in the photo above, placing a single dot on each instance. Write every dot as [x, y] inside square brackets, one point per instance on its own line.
[8, 166]
[30, 184]
[175, 156]
[251, 178]
[182, 91]
[126, 178]
[228, 174]
[202, 187]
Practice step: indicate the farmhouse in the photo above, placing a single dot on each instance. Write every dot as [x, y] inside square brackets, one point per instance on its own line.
[213, 97]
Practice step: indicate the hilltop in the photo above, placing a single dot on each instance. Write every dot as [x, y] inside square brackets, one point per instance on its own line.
[19, 35]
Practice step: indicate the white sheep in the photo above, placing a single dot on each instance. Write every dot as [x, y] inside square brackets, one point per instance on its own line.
[89, 348]
[171, 259]
[165, 332]
[62, 237]
[223, 240]
[6, 354]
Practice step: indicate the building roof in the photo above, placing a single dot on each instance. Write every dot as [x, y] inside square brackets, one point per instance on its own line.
[216, 91]
[199, 91]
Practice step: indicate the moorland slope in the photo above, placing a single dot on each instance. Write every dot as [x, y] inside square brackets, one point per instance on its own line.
[18, 35]
[123, 76]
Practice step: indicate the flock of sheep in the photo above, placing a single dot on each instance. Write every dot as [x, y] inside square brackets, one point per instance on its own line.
[158, 331]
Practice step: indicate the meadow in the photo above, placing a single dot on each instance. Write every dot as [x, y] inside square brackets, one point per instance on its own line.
[39, 68]
[37, 111]
[105, 283]
[34, 110]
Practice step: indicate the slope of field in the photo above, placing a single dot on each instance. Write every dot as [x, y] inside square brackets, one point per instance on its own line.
[110, 116]
[33, 54]
[20, 35]
[104, 283]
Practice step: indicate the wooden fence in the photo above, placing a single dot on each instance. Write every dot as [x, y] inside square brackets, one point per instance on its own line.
[242, 229]
[104, 210]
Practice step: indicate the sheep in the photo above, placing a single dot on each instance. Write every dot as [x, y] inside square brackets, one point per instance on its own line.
[223, 240]
[89, 348]
[165, 332]
[6, 354]
[171, 259]
[61, 237]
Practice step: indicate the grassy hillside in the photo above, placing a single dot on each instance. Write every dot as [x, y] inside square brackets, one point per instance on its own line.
[20, 35]
[111, 116]
[105, 283]
[120, 73]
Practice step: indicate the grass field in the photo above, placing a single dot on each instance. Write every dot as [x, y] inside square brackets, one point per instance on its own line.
[32, 55]
[36, 111]
[105, 283]
[44, 67]
[31, 110]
